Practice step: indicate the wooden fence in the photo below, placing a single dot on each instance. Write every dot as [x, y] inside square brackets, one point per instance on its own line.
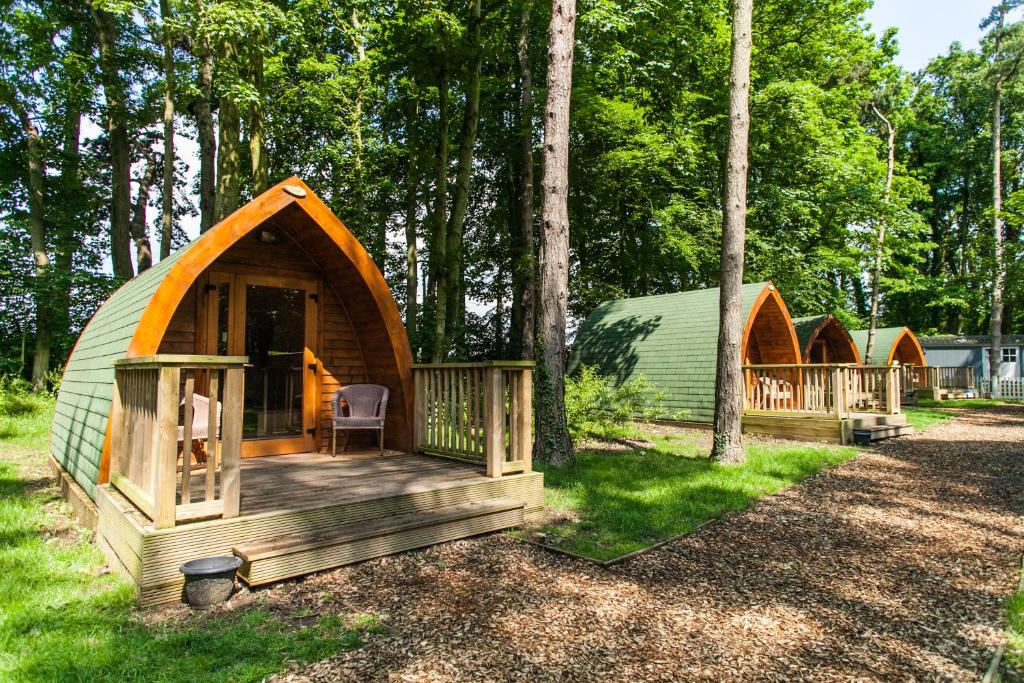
[481, 412]
[152, 413]
[1008, 388]
[821, 389]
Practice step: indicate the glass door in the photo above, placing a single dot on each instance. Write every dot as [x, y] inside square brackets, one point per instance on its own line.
[272, 320]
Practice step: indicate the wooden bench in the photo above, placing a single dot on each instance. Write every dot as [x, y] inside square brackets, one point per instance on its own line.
[298, 554]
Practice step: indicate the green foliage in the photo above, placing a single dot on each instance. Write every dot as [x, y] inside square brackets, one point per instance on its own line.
[614, 504]
[24, 415]
[1015, 628]
[65, 619]
[595, 408]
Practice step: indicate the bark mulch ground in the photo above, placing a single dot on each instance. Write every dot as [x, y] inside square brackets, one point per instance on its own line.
[891, 566]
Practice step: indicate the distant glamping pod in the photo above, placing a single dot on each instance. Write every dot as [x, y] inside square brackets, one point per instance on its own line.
[281, 281]
[823, 339]
[672, 340]
[892, 344]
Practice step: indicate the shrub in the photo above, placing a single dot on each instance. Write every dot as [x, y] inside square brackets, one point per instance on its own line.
[595, 408]
[17, 398]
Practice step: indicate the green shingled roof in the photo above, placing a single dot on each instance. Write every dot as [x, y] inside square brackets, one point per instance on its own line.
[670, 339]
[885, 339]
[805, 327]
[83, 404]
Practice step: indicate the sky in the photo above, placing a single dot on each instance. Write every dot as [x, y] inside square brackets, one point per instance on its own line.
[927, 27]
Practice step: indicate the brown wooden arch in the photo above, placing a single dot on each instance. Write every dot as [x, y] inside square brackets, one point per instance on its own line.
[349, 269]
[769, 337]
[907, 349]
[834, 335]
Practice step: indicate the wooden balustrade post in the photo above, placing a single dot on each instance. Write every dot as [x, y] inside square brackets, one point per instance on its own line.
[838, 394]
[892, 399]
[419, 422]
[523, 425]
[164, 449]
[186, 440]
[494, 422]
[231, 439]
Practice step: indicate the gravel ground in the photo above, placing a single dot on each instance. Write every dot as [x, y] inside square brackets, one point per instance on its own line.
[892, 566]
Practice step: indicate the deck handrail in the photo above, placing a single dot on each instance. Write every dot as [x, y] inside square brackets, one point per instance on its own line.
[150, 392]
[480, 412]
[833, 389]
[939, 376]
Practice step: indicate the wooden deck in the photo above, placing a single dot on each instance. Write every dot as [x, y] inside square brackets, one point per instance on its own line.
[307, 512]
[824, 428]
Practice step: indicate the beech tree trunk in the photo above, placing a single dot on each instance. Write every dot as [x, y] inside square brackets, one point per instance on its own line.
[728, 441]
[37, 235]
[257, 134]
[411, 204]
[460, 200]
[438, 263]
[524, 267]
[167, 209]
[999, 266]
[139, 227]
[377, 235]
[228, 150]
[876, 271]
[203, 110]
[552, 443]
[120, 148]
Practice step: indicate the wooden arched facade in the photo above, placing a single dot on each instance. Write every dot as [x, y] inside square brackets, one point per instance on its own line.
[282, 269]
[768, 336]
[892, 344]
[823, 339]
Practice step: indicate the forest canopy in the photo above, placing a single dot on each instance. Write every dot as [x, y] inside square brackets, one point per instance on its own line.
[420, 123]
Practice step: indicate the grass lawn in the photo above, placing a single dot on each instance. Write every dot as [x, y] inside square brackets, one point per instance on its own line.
[610, 504]
[1015, 629]
[63, 618]
[927, 413]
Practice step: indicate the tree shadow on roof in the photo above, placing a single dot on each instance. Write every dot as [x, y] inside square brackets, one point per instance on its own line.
[610, 346]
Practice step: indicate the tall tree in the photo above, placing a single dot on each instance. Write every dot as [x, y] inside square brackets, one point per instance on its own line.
[876, 271]
[202, 108]
[410, 109]
[167, 208]
[139, 227]
[552, 434]
[728, 438]
[229, 153]
[438, 247]
[524, 266]
[116, 93]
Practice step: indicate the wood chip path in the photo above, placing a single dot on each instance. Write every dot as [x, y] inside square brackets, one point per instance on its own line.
[893, 566]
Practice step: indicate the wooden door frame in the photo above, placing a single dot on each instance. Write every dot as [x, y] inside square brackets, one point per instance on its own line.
[238, 278]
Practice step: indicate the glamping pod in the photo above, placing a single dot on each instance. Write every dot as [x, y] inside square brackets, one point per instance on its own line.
[671, 339]
[892, 344]
[198, 411]
[281, 281]
[823, 339]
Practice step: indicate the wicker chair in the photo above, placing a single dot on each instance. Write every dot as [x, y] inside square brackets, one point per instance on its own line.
[366, 405]
[200, 427]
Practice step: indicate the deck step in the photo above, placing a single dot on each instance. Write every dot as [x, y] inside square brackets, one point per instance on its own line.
[298, 554]
[879, 432]
[865, 421]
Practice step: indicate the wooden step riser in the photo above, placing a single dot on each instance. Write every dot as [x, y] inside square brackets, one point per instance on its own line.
[317, 559]
[876, 420]
[891, 432]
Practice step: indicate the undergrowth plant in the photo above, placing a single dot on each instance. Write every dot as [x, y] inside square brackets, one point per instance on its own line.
[596, 408]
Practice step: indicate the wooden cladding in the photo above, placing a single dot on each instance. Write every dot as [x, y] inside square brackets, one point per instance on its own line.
[150, 394]
[834, 390]
[481, 412]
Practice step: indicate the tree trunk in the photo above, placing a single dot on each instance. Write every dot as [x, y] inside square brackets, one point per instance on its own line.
[378, 235]
[438, 262]
[167, 209]
[553, 444]
[460, 200]
[257, 134]
[999, 266]
[203, 109]
[728, 442]
[139, 228]
[876, 271]
[524, 269]
[411, 204]
[120, 149]
[40, 257]
[228, 149]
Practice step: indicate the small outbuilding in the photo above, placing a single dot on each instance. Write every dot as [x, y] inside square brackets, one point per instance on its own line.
[892, 344]
[972, 351]
[823, 339]
[671, 339]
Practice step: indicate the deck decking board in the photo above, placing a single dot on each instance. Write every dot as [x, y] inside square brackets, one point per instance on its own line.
[359, 488]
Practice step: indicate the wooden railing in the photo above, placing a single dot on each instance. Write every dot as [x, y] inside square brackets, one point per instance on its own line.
[821, 389]
[937, 377]
[153, 399]
[481, 412]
